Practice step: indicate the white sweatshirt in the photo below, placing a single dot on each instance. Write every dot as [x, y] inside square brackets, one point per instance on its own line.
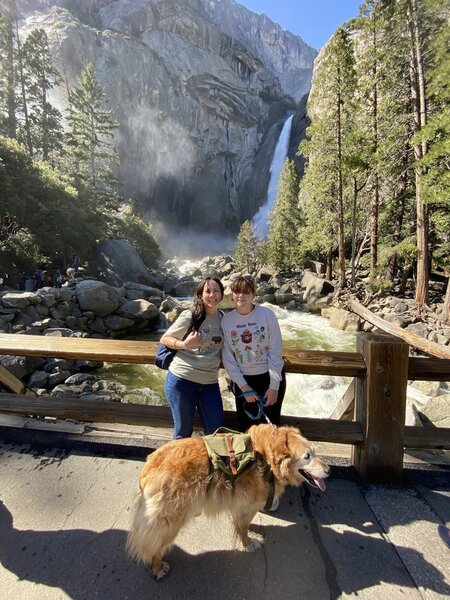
[252, 345]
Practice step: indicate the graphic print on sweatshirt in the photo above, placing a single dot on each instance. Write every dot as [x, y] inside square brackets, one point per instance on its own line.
[246, 342]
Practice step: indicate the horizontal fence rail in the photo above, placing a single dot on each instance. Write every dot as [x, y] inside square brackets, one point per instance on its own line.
[310, 362]
[378, 354]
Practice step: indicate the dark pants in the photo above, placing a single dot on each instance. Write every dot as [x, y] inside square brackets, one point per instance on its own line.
[259, 383]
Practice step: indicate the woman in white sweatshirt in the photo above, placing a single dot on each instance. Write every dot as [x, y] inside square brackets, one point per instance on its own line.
[252, 355]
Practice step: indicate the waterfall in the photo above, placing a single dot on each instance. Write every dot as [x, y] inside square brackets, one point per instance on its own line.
[260, 220]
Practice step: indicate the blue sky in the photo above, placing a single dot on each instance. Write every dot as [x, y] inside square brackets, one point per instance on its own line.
[314, 20]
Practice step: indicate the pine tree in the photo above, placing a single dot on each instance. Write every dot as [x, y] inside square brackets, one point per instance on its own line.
[90, 139]
[284, 221]
[436, 162]
[8, 74]
[246, 252]
[40, 76]
[328, 149]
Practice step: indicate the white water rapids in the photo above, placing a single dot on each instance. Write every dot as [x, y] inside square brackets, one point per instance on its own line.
[312, 395]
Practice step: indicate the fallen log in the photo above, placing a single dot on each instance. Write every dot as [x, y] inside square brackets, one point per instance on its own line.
[410, 338]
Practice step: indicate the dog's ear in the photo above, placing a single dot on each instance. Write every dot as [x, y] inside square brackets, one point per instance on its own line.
[281, 452]
[263, 437]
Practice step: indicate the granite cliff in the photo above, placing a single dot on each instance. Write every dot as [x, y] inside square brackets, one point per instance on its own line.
[201, 89]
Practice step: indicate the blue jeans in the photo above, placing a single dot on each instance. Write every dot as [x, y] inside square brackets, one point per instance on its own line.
[185, 397]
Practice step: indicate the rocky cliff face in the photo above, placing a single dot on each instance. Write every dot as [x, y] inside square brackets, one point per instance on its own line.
[200, 88]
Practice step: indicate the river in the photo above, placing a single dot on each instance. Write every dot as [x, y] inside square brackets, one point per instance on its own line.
[306, 396]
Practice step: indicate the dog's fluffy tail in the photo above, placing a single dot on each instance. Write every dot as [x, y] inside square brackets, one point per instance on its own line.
[147, 531]
[152, 531]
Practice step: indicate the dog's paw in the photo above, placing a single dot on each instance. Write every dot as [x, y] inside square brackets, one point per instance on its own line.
[162, 571]
[253, 544]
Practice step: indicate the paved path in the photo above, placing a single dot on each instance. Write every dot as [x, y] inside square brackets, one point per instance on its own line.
[64, 516]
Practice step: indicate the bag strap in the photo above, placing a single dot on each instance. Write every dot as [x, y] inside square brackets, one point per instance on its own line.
[232, 454]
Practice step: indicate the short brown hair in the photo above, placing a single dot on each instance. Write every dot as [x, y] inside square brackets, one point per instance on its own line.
[243, 284]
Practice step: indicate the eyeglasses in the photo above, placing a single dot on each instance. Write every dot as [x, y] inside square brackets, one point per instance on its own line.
[247, 278]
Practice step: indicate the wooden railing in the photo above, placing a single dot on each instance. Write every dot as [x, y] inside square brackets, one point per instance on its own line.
[381, 368]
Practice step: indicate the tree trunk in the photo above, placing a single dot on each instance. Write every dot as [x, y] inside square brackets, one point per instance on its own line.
[376, 187]
[355, 197]
[418, 96]
[10, 82]
[446, 309]
[411, 338]
[400, 202]
[329, 270]
[24, 96]
[341, 240]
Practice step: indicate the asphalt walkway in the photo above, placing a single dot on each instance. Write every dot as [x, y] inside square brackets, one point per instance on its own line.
[64, 516]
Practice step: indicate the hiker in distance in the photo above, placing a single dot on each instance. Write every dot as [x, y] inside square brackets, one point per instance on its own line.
[252, 356]
[192, 379]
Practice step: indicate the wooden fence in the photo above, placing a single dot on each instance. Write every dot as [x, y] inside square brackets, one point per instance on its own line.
[381, 368]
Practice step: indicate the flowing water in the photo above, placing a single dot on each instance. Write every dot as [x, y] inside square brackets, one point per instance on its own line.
[307, 395]
[260, 220]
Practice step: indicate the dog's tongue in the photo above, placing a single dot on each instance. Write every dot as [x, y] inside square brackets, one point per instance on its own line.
[320, 483]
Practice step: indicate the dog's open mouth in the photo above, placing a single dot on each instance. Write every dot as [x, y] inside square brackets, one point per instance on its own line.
[314, 481]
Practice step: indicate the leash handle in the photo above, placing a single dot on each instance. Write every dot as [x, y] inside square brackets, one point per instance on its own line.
[261, 405]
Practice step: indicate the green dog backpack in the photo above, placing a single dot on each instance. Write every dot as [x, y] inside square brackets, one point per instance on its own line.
[229, 450]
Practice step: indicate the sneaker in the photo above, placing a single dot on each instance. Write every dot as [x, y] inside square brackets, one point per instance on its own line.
[444, 532]
[275, 505]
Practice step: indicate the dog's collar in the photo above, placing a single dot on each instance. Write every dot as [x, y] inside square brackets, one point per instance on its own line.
[267, 476]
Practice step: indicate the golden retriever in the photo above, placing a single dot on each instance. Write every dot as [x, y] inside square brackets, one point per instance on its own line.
[176, 485]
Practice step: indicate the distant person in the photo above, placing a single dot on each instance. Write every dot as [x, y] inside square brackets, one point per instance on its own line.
[49, 280]
[23, 281]
[192, 380]
[76, 262]
[252, 356]
[38, 279]
[58, 279]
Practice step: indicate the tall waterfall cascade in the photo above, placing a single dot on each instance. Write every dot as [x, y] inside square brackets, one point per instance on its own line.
[260, 220]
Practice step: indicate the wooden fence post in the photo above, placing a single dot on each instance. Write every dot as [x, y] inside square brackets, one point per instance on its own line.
[380, 404]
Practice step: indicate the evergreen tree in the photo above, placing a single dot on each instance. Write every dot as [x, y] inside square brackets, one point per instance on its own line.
[246, 252]
[383, 114]
[38, 209]
[90, 139]
[436, 162]
[8, 73]
[40, 76]
[328, 149]
[369, 82]
[284, 221]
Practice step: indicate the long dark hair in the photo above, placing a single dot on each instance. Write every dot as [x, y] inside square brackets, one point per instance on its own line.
[198, 308]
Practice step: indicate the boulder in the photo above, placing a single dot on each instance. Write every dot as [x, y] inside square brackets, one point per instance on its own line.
[98, 297]
[138, 309]
[342, 319]
[418, 329]
[136, 291]
[184, 289]
[117, 262]
[116, 323]
[19, 300]
[437, 412]
[315, 287]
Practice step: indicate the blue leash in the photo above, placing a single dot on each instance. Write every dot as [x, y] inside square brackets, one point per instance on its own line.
[261, 406]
